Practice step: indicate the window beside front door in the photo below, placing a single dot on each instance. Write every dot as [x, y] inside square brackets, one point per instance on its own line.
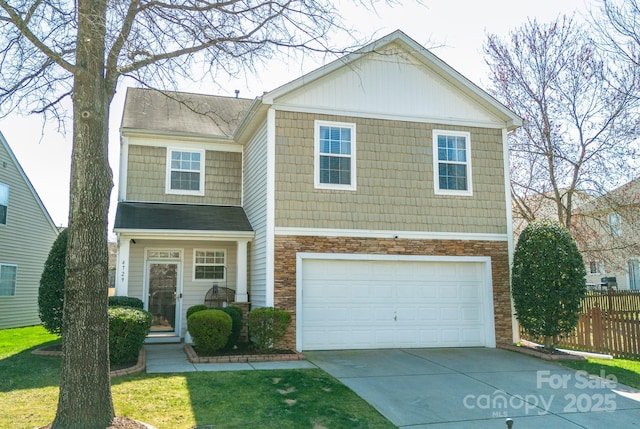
[209, 264]
[8, 275]
[4, 203]
[452, 163]
[185, 172]
[335, 155]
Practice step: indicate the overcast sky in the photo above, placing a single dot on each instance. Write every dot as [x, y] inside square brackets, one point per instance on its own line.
[453, 29]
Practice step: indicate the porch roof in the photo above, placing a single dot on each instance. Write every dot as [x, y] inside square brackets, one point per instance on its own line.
[180, 217]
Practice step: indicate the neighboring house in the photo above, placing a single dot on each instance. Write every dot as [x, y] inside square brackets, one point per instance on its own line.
[26, 236]
[610, 231]
[542, 206]
[369, 198]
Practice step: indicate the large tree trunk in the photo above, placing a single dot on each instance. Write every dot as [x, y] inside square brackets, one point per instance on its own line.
[85, 387]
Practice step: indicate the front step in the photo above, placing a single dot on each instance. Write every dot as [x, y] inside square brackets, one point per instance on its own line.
[162, 338]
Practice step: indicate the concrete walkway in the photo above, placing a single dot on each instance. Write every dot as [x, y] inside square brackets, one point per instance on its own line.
[478, 388]
[168, 358]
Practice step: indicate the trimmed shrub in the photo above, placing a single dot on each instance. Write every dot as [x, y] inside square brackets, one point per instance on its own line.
[210, 330]
[51, 290]
[267, 326]
[195, 309]
[548, 281]
[236, 325]
[125, 301]
[128, 327]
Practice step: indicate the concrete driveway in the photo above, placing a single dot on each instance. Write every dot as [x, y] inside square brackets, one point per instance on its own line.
[479, 388]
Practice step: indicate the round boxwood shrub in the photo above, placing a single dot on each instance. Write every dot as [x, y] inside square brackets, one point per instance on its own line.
[125, 301]
[195, 309]
[548, 281]
[51, 290]
[128, 328]
[236, 325]
[267, 326]
[210, 330]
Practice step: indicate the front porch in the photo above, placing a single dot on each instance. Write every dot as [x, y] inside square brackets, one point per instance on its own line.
[170, 258]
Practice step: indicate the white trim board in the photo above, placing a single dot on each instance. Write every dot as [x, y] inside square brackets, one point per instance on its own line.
[461, 122]
[367, 233]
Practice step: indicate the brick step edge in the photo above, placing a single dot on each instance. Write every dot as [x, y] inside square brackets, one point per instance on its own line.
[138, 367]
[194, 358]
[527, 351]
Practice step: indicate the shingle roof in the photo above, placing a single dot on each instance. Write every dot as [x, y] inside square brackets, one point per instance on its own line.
[167, 111]
[189, 217]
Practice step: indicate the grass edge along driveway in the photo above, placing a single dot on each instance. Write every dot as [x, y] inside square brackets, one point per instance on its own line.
[248, 399]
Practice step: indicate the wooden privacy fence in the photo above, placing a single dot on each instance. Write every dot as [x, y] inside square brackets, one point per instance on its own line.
[609, 323]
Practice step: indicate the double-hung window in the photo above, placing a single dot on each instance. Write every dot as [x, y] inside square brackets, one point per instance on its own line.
[335, 155]
[209, 264]
[185, 171]
[8, 275]
[615, 224]
[4, 203]
[452, 163]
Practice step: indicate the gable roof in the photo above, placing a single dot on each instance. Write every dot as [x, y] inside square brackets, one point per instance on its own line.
[625, 195]
[168, 112]
[13, 158]
[419, 54]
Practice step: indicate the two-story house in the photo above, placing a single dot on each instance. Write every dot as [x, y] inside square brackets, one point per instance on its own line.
[369, 198]
[608, 230]
[27, 233]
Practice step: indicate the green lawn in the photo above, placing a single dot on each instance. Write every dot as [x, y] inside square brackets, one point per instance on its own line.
[247, 399]
[626, 371]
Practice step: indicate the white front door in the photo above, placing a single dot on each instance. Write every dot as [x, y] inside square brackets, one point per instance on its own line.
[163, 296]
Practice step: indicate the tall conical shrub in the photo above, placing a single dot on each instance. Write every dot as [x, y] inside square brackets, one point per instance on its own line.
[51, 290]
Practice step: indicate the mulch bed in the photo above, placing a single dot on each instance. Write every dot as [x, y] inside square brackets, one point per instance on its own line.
[116, 370]
[120, 423]
[242, 354]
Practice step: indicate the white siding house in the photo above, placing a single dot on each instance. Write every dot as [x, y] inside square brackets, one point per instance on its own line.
[27, 233]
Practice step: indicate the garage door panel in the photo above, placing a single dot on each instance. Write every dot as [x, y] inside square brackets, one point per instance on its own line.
[471, 314]
[380, 304]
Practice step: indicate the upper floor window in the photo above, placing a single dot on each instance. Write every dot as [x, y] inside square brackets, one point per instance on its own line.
[615, 223]
[4, 203]
[8, 280]
[335, 155]
[185, 172]
[452, 163]
[209, 264]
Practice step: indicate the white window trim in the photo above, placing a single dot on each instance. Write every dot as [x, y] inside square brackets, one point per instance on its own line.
[15, 285]
[436, 175]
[7, 216]
[224, 271]
[168, 189]
[615, 226]
[149, 257]
[316, 161]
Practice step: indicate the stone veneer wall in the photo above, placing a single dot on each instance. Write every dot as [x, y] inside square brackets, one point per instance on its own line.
[286, 248]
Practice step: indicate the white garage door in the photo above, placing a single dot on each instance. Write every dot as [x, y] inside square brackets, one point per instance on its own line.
[362, 304]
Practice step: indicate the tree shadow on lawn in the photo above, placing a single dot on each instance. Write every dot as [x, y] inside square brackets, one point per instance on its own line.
[278, 399]
[307, 398]
[24, 370]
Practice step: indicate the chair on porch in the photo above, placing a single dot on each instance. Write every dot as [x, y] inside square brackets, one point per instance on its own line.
[218, 297]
